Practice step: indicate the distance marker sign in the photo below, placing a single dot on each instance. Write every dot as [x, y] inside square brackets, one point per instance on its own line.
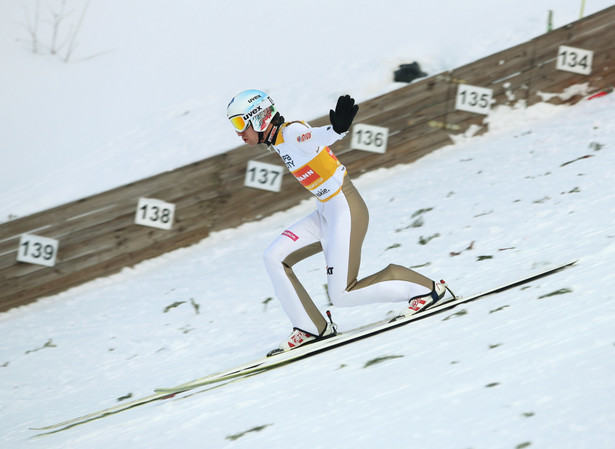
[574, 60]
[264, 176]
[37, 250]
[473, 99]
[369, 138]
[155, 213]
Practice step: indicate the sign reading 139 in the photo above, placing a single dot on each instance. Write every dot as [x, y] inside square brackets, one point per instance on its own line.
[37, 250]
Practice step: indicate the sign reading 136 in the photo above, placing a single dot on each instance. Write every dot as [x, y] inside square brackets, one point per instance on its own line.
[369, 138]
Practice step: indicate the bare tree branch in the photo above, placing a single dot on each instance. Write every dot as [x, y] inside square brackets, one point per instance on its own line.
[31, 26]
[72, 45]
[62, 43]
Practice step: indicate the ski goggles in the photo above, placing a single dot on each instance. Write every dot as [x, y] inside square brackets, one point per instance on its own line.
[241, 122]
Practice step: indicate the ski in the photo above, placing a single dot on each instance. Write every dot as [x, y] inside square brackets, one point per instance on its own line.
[340, 339]
[275, 361]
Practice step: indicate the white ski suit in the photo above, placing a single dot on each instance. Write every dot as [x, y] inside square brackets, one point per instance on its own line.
[337, 227]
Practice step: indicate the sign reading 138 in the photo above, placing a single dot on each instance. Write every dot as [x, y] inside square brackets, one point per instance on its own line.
[155, 213]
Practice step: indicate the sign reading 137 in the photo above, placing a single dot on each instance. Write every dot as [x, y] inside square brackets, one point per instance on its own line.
[264, 176]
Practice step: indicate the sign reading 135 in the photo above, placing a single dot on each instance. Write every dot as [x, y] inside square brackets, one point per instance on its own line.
[473, 99]
[38, 250]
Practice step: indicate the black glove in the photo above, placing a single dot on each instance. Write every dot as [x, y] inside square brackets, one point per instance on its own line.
[344, 114]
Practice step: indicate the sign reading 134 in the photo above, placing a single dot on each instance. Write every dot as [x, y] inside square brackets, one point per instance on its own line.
[574, 60]
[261, 175]
[38, 250]
[155, 213]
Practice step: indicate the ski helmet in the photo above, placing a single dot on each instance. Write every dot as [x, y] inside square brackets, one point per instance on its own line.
[251, 107]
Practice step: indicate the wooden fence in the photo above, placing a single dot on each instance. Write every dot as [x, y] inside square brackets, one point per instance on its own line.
[97, 235]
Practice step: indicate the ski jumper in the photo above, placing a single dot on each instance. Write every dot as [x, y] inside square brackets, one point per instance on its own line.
[337, 227]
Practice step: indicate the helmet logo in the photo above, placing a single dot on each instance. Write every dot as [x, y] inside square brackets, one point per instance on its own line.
[264, 119]
[254, 98]
[254, 111]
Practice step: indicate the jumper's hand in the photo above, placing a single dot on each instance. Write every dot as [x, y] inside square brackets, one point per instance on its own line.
[344, 114]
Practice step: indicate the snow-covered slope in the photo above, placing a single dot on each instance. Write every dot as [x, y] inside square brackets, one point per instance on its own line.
[531, 367]
[528, 367]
